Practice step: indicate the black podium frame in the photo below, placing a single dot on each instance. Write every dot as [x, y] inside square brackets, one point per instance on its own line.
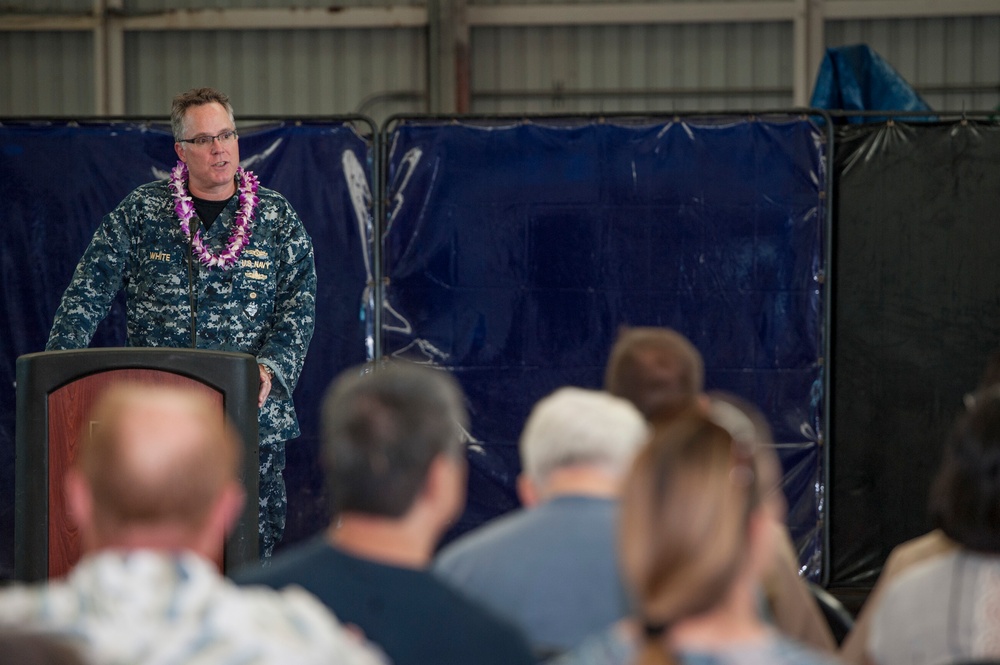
[234, 375]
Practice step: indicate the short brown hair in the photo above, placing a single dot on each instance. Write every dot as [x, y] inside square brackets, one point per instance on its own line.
[657, 369]
[195, 97]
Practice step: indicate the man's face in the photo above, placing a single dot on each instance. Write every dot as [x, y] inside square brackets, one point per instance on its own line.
[211, 168]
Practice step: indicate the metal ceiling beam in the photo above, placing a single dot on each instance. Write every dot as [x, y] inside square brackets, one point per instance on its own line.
[845, 10]
[630, 13]
[280, 19]
[48, 22]
[730, 11]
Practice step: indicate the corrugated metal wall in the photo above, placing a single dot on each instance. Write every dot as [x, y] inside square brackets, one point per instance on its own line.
[46, 73]
[281, 72]
[631, 68]
[43, 6]
[381, 71]
[163, 5]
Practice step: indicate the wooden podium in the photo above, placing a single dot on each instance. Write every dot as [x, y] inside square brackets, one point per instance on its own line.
[56, 391]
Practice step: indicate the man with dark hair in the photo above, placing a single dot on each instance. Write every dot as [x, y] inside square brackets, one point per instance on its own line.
[154, 490]
[395, 462]
[208, 259]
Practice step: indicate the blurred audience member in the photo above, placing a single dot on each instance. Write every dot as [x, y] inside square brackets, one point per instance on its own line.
[789, 602]
[902, 558]
[662, 373]
[154, 491]
[395, 462]
[699, 510]
[912, 552]
[31, 648]
[658, 370]
[946, 609]
[552, 568]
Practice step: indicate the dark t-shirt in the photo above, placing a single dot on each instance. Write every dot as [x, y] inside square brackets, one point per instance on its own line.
[208, 211]
[413, 616]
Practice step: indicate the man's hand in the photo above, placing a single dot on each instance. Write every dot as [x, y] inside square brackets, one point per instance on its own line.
[266, 375]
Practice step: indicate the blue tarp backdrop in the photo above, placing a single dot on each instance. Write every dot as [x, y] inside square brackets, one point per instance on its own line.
[513, 251]
[58, 180]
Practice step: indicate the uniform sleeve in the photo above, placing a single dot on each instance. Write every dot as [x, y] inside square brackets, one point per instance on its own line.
[294, 316]
[96, 281]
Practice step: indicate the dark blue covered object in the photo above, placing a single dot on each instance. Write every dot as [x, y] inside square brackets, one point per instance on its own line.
[515, 251]
[856, 78]
[56, 182]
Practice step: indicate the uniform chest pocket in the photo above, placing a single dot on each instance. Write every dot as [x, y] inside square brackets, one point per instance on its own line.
[255, 285]
[162, 276]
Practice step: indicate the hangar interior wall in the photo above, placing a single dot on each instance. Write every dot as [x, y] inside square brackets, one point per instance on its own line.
[296, 57]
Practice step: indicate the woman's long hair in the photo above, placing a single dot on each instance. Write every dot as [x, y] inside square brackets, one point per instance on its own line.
[685, 514]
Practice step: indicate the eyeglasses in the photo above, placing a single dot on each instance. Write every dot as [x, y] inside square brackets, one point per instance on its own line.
[225, 137]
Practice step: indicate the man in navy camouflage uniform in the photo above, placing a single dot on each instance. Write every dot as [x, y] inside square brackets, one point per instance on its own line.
[262, 302]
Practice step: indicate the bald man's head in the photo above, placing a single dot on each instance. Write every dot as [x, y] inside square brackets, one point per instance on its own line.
[155, 456]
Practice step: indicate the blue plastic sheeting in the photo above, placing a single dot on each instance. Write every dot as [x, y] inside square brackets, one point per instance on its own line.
[856, 78]
[58, 180]
[515, 251]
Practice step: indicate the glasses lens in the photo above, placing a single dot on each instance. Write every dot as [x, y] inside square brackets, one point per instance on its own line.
[205, 141]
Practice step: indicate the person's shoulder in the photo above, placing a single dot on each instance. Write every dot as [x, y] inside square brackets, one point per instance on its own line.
[916, 551]
[262, 608]
[268, 194]
[154, 192]
[288, 566]
[791, 652]
[274, 199]
[22, 603]
[292, 602]
[613, 646]
[488, 541]
[469, 617]
[774, 650]
[152, 189]
[274, 211]
[917, 579]
[912, 593]
[496, 639]
[291, 618]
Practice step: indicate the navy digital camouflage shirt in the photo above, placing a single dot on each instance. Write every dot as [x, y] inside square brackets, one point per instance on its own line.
[263, 305]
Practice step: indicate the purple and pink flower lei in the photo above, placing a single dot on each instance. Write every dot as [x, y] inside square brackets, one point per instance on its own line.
[239, 238]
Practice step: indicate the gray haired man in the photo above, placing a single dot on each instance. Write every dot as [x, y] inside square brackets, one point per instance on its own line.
[551, 568]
